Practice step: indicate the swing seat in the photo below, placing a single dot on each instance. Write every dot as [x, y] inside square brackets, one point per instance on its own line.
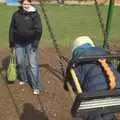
[99, 101]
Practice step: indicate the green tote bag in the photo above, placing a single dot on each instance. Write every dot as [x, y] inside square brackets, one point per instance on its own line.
[11, 71]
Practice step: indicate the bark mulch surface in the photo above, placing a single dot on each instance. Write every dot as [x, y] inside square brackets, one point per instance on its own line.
[54, 103]
[18, 103]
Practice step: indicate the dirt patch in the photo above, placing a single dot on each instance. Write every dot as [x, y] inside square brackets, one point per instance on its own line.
[115, 47]
[54, 102]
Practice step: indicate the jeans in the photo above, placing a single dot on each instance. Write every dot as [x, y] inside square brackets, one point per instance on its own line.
[27, 56]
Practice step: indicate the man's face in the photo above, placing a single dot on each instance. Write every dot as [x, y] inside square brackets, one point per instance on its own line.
[26, 5]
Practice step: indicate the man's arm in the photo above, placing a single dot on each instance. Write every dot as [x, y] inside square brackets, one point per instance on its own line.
[38, 30]
[11, 33]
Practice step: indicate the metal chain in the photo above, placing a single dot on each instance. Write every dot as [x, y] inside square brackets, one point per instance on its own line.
[101, 23]
[56, 46]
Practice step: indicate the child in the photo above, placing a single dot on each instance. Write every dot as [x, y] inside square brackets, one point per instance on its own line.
[90, 74]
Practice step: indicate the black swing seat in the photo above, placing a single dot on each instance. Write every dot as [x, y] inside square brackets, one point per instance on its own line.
[100, 101]
[83, 59]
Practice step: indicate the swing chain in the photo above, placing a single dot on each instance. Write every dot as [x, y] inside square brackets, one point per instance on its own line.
[56, 46]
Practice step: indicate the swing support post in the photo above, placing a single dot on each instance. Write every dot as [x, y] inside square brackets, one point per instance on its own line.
[108, 23]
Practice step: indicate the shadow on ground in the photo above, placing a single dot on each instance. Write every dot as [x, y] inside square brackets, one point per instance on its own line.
[30, 113]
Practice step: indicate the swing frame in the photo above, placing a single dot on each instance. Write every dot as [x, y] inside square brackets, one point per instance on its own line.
[105, 30]
[81, 98]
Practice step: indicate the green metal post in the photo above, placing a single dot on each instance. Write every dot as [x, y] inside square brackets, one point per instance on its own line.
[108, 23]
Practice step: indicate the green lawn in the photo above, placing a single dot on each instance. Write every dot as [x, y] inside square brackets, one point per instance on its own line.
[68, 22]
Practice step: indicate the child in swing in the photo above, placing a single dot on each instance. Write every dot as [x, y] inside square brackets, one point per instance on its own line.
[91, 75]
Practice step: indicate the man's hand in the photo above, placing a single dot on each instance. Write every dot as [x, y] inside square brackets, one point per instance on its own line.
[12, 51]
[35, 45]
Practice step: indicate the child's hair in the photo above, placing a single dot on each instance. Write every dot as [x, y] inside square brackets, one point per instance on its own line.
[21, 1]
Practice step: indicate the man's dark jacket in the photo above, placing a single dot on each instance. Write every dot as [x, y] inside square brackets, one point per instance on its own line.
[25, 28]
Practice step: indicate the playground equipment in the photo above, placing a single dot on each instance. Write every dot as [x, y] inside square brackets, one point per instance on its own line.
[99, 101]
[102, 102]
[105, 28]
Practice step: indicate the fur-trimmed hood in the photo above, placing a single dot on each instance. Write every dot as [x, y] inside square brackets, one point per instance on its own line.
[31, 9]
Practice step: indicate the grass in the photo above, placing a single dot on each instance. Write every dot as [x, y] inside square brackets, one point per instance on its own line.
[5, 17]
[67, 22]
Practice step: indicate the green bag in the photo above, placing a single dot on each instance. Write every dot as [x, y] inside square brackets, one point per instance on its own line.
[11, 71]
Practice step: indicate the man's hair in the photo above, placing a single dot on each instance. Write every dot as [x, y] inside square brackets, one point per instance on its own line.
[21, 1]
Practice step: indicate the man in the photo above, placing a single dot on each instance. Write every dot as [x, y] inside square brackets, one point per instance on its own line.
[91, 75]
[24, 35]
